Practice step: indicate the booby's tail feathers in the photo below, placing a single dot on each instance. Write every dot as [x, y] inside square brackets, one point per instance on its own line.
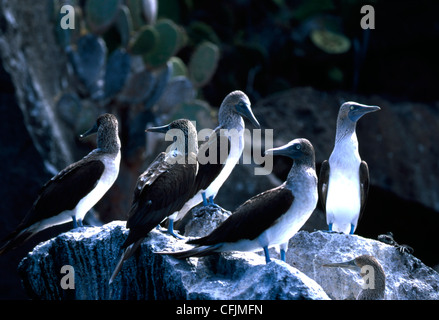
[200, 251]
[17, 238]
[127, 253]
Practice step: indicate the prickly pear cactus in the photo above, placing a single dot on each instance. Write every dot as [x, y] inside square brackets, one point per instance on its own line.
[100, 14]
[203, 63]
[144, 41]
[170, 40]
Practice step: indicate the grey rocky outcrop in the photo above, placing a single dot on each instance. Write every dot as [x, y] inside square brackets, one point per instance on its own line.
[94, 251]
[407, 278]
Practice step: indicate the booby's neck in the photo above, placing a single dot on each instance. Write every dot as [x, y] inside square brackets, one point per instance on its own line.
[186, 146]
[228, 119]
[346, 145]
[377, 292]
[345, 130]
[108, 139]
[302, 175]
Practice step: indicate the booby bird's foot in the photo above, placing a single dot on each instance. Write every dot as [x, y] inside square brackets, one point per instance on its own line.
[77, 222]
[168, 231]
[205, 203]
[267, 255]
[331, 231]
[171, 231]
[282, 255]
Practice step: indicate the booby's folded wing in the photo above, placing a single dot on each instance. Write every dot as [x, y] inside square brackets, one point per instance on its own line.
[62, 192]
[364, 186]
[323, 183]
[166, 191]
[65, 190]
[158, 166]
[251, 218]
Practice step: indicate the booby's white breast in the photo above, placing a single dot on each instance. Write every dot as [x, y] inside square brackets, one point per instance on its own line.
[107, 179]
[343, 199]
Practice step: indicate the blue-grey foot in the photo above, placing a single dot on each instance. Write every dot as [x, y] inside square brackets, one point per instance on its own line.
[77, 222]
[205, 203]
[330, 229]
[171, 229]
[282, 255]
[267, 255]
[352, 229]
[213, 204]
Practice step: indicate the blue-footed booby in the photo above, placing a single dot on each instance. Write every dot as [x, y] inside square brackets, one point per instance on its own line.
[344, 179]
[75, 190]
[270, 218]
[228, 136]
[368, 266]
[163, 188]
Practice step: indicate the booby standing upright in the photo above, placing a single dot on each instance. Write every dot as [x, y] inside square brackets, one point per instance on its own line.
[75, 190]
[271, 217]
[163, 188]
[344, 179]
[211, 176]
[371, 291]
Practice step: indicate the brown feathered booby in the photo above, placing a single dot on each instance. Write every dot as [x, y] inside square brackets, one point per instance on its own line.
[344, 178]
[163, 188]
[75, 190]
[227, 142]
[271, 217]
[367, 266]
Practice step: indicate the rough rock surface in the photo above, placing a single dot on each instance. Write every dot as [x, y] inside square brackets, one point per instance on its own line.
[407, 278]
[94, 251]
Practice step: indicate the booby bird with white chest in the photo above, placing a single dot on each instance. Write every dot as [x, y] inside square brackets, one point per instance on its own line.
[163, 188]
[75, 190]
[270, 218]
[227, 141]
[366, 265]
[344, 178]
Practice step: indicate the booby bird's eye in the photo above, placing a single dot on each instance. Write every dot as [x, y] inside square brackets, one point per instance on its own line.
[298, 146]
[352, 108]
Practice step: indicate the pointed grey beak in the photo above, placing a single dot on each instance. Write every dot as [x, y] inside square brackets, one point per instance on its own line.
[347, 265]
[89, 132]
[247, 112]
[360, 110]
[291, 149]
[161, 129]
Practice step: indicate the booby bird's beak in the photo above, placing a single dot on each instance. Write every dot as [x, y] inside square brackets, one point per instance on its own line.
[246, 111]
[90, 131]
[161, 129]
[347, 265]
[291, 149]
[359, 110]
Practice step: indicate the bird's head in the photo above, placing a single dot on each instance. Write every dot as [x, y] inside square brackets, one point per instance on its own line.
[238, 102]
[297, 149]
[106, 121]
[354, 111]
[182, 132]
